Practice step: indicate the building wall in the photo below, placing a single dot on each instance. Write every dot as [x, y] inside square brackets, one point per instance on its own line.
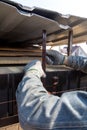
[79, 52]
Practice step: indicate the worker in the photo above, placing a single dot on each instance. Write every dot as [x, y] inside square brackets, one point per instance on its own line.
[39, 110]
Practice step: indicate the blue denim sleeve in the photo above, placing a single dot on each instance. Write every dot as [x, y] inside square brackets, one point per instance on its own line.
[78, 63]
[39, 110]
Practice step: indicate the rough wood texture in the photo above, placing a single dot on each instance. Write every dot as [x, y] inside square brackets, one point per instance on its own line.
[12, 127]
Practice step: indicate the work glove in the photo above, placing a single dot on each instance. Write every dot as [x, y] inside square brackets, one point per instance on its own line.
[34, 67]
[54, 57]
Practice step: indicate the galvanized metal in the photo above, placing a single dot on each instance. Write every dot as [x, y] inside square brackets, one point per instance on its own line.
[25, 27]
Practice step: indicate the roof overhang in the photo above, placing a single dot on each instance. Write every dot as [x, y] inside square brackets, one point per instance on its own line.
[23, 26]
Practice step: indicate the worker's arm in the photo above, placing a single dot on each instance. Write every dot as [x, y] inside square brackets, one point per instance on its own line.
[76, 62]
[39, 110]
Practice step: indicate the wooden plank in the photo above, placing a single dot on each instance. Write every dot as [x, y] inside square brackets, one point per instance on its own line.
[15, 53]
[19, 128]
[21, 49]
[16, 60]
[12, 127]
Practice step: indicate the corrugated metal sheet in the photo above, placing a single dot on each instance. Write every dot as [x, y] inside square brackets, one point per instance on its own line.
[22, 26]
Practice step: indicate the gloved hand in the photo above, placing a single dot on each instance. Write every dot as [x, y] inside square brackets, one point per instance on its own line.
[54, 57]
[34, 67]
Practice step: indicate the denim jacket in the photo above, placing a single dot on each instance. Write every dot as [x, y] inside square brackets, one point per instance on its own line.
[78, 63]
[39, 110]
